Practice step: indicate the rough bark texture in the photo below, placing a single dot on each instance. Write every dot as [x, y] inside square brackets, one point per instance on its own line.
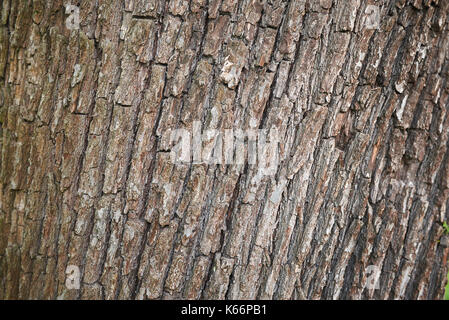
[86, 179]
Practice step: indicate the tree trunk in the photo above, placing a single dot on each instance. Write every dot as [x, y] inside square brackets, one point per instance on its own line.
[94, 205]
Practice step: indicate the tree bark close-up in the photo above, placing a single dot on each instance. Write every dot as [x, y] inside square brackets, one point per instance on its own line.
[133, 161]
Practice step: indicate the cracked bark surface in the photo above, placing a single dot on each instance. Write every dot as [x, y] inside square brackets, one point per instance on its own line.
[86, 179]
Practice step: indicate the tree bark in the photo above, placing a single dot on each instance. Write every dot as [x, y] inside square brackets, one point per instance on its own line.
[362, 184]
